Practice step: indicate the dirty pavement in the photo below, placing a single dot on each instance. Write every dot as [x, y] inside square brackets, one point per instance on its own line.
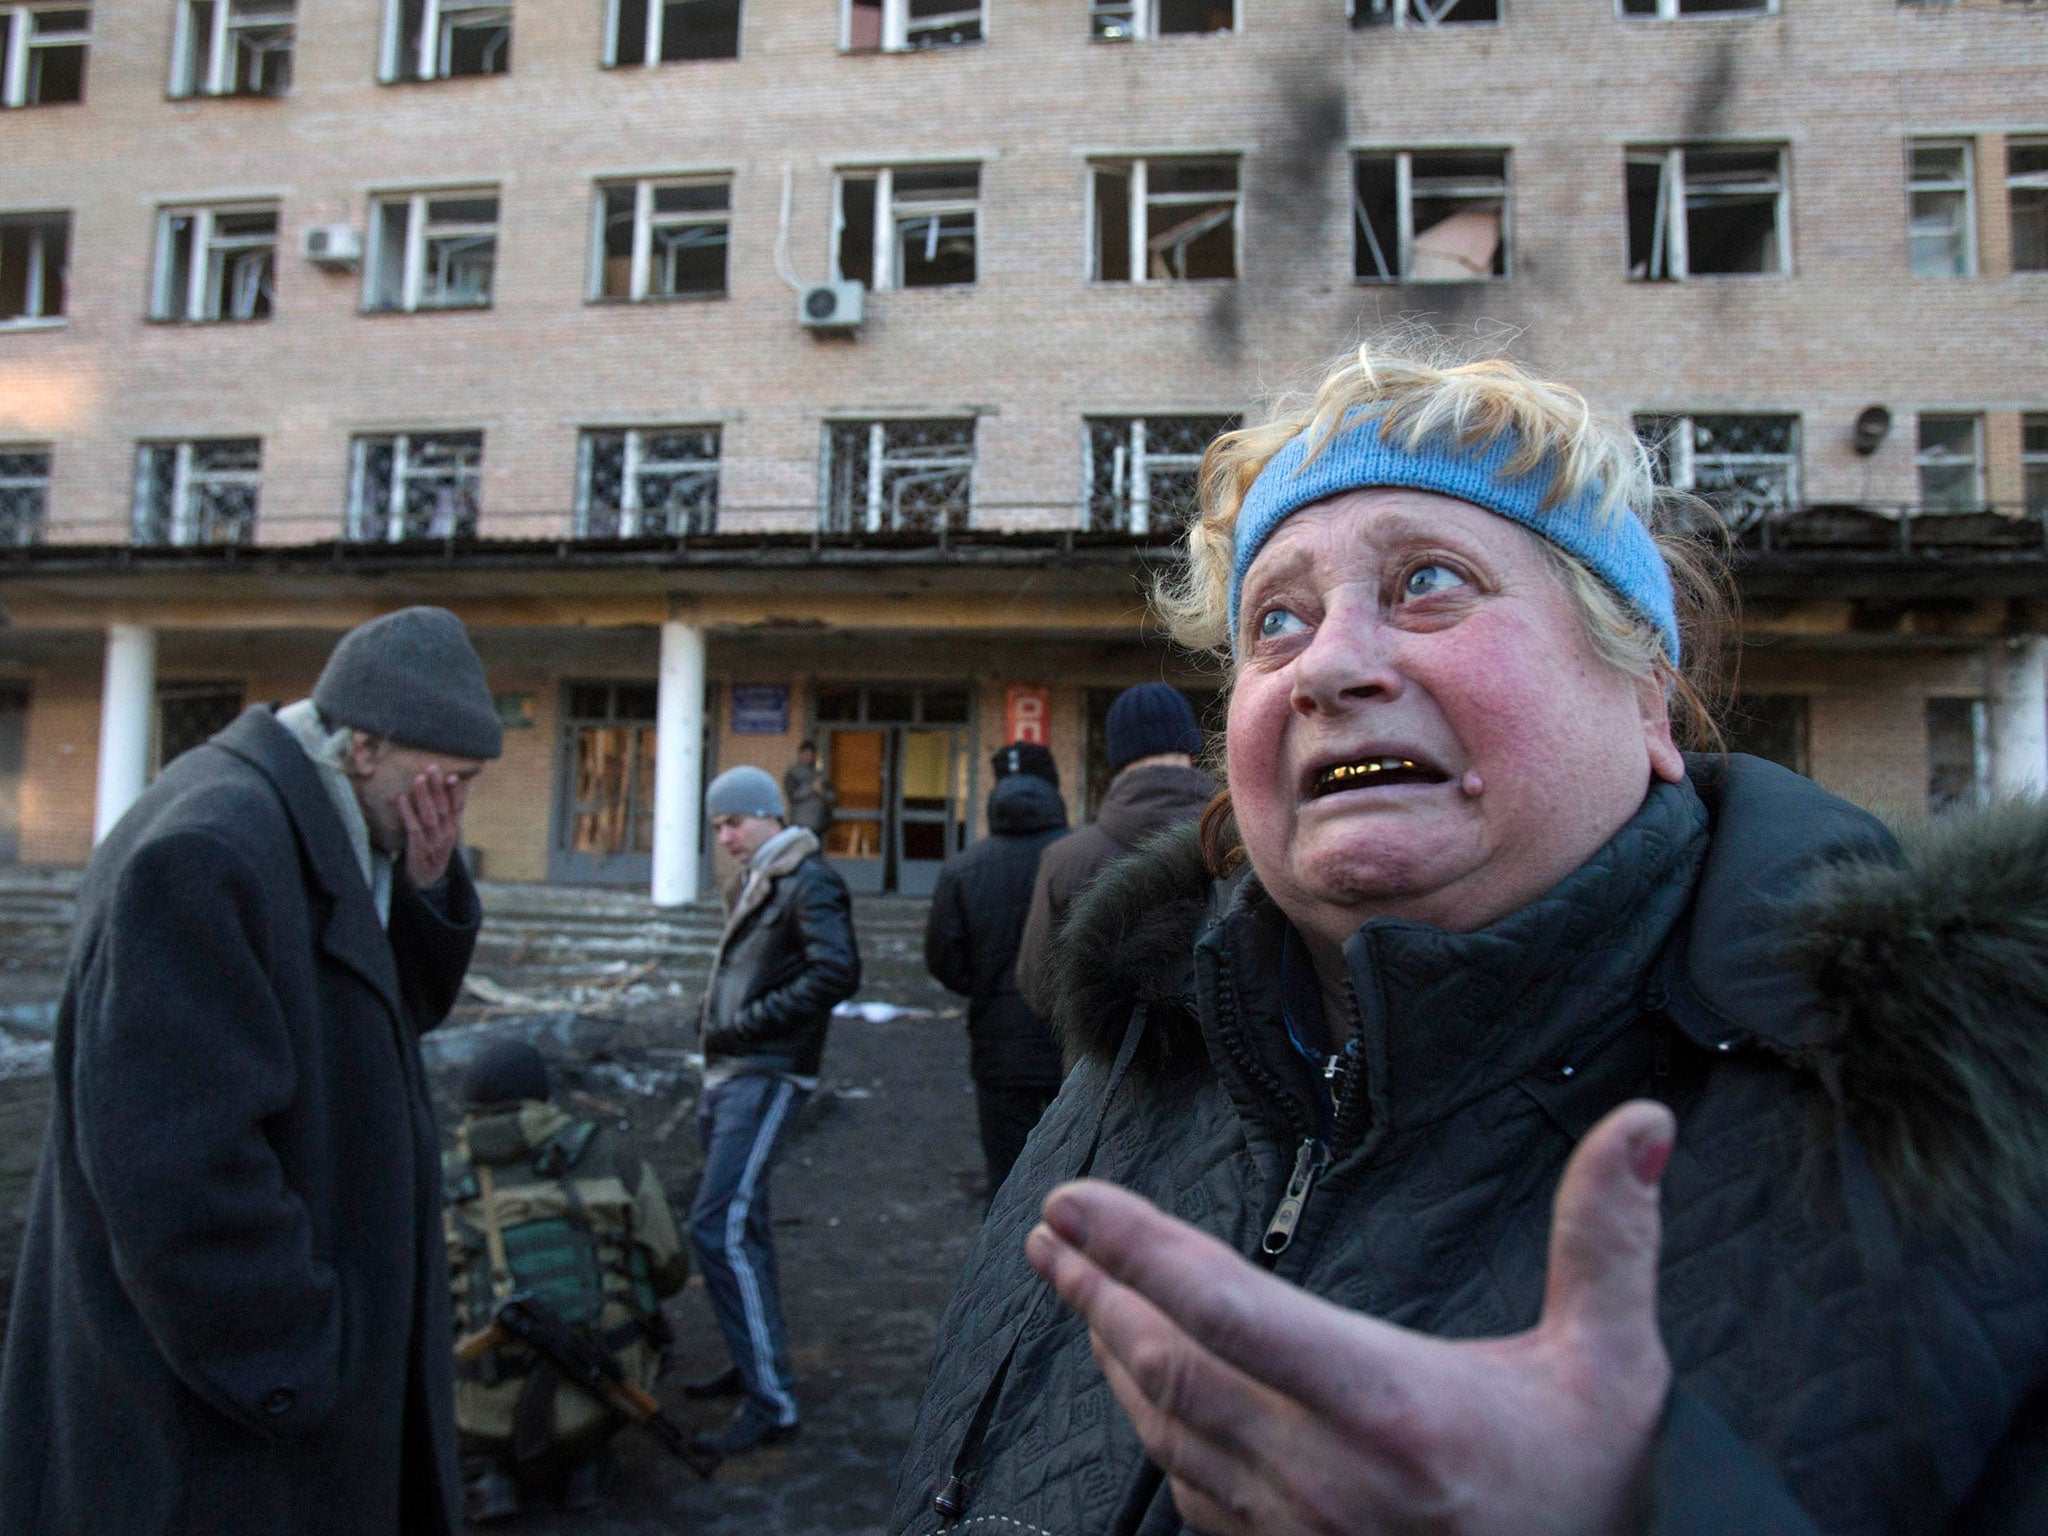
[876, 1200]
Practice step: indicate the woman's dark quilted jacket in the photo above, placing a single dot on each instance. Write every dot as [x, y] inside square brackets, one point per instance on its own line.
[1854, 1280]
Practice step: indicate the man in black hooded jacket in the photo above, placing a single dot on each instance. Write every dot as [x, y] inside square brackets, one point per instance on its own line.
[970, 946]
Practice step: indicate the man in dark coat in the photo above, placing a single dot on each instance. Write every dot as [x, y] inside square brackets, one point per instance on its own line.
[1153, 740]
[787, 957]
[970, 946]
[232, 1309]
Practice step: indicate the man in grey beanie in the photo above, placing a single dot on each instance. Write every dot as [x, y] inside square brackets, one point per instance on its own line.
[237, 1213]
[787, 955]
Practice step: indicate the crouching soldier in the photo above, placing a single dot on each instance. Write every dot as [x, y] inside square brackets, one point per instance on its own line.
[563, 1209]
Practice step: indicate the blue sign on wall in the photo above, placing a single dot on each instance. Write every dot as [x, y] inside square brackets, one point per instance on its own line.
[760, 710]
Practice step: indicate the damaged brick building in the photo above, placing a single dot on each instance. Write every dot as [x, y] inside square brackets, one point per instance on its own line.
[753, 371]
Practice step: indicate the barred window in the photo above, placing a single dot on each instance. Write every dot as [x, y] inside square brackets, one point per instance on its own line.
[1746, 466]
[1141, 470]
[24, 494]
[898, 476]
[199, 492]
[647, 482]
[415, 485]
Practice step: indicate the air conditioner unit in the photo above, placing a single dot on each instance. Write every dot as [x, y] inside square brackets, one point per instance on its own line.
[337, 246]
[832, 306]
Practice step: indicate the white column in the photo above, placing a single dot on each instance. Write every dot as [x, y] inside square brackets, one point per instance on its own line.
[126, 699]
[678, 763]
[2017, 702]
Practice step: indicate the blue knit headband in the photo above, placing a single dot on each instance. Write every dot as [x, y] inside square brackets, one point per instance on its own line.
[1617, 547]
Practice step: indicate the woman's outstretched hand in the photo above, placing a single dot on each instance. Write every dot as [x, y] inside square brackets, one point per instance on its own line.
[1275, 1412]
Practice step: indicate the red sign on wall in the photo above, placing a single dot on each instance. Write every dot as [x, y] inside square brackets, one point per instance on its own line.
[1027, 714]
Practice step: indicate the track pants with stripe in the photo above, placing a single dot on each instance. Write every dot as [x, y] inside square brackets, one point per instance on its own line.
[743, 1124]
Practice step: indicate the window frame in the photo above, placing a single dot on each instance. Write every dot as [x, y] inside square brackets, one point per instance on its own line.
[22, 41]
[1678, 452]
[35, 316]
[2034, 464]
[434, 63]
[413, 279]
[897, 26]
[1144, 22]
[181, 522]
[657, 22]
[1404, 212]
[889, 214]
[870, 518]
[358, 518]
[2023, 181]
[1965, 183]
[1402, 14]
[1925, 459]
[645, 222]
[1134, 500]
[165, 302]
[1139, 200]
[634, 462]
[14, 534]
[188, 77]
[1674, 233]
[1671, 10]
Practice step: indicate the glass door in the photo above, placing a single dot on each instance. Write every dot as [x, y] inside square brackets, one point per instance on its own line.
[930, 800]
[858, 763]
[901, 756]
[604, 821]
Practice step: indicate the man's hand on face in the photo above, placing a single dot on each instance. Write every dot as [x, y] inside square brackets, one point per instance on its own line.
[431, 809]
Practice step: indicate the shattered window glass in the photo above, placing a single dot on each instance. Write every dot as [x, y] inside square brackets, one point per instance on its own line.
[929, 226]
[234, 48]
[1186, 210]
[416, 486]
[24, 494]
[1670, 10]
[2026, 162]
[1697, 211]
[1114, 21]
[1437, 216]
[35, 257]
[200, 492]
[647, 482]
[1141, 470]
[216, 264]
[1939, 232]
[912, 476]
[1746, 467]
[455, 37]
[1424, 13]
[901, 26]
[1950, 460]
[663, 239]
[42, 54]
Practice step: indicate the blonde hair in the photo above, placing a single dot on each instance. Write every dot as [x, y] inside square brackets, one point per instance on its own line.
[1424, 391]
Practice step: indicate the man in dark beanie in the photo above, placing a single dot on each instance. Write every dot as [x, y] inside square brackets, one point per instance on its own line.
[1153, 741]
[232, 1309]
[970, 946]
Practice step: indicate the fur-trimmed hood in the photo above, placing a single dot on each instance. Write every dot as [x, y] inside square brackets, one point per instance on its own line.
[1910, 974]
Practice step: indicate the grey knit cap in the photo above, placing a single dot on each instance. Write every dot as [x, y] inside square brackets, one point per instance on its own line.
[414, 678]
[743, 792]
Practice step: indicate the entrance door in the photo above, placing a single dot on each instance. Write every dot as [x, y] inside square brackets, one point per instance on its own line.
[604, 817]
[902, 760]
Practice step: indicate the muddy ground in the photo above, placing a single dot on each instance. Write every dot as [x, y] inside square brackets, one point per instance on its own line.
[876, 1200]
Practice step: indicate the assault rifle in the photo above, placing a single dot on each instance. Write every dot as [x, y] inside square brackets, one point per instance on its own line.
[523, 1318]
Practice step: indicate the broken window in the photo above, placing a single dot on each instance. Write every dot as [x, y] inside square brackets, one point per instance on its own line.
[902, 26]
[898, 476]
[669, 31]
[415, 485]
[24, 494]
[35, 259]
[214, 264]
[1165, 220]
[1117, 21]
[1671, 10]
[200, 492]
[1424, 13]
[1430, 216]
[647, 482]
[1141, 470]
[2034, 461]
[1706, 211]
[42, 54]
[1941, 232]
[233, 48]
[1958, 754]
[1747, 467]
[2026, 182]
[432, 250]
[907, 226]
[440, 39]
[1951, 463]
[662, 239]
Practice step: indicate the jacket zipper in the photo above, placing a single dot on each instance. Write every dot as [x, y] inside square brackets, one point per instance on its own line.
[1310, 1158]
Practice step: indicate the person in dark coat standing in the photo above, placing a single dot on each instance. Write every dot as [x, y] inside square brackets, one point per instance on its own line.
[970, 946]
[1153, 741]
[232, 1309]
